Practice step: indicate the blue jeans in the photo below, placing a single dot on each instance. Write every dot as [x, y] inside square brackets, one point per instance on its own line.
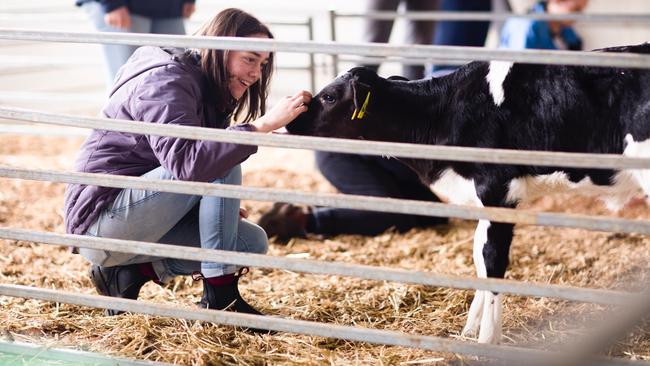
[196, 221]
[115, 55]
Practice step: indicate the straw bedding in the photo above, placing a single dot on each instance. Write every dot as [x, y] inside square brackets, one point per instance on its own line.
[543, 255]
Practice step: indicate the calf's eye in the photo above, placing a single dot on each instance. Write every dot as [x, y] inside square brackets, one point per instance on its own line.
[328, 98]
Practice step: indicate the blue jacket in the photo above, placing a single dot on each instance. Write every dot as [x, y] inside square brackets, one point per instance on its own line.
[521, 33]
[145, 8]
[154, 86]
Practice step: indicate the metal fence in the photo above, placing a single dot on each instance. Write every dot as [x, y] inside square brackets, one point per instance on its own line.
[514, 354]
[494, 16]
[51, 20]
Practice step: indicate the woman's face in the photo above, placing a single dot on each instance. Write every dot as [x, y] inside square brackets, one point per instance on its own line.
[244, 68]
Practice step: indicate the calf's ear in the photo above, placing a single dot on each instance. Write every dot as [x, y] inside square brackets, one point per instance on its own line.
[360, 93]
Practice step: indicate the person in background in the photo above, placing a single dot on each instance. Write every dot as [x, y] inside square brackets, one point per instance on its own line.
[363, 174]
[353, 174]
[374, 175]
[137, 16]
[521, 33]
[418, 32]
[191, 87]
[460, 33]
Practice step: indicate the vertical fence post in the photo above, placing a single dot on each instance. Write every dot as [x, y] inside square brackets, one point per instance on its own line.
[312, 68]
[335, 57]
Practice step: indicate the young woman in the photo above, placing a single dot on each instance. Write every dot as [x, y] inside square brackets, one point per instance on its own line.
[190, 88]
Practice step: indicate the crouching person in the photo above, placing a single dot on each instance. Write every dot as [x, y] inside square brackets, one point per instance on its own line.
[190, 88]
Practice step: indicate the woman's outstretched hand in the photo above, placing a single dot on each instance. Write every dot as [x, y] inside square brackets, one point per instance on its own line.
[285, 111]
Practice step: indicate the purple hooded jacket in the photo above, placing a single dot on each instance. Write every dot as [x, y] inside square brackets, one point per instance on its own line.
[158, 86]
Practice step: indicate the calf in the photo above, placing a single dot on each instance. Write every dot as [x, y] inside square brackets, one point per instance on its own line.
[500, 105]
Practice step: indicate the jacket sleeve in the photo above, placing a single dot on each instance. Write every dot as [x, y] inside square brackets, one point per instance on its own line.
[110, 5]
[172, 98]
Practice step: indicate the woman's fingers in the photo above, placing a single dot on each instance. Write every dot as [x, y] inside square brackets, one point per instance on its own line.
[297, 103]
[300, 100]
[303, 96]
[284, 112]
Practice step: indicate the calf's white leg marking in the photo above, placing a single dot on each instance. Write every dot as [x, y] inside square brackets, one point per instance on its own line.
[485, 310]
[491, 321]
[476, 310]
[639, 149]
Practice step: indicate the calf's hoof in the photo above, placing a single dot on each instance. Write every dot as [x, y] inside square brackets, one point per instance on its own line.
[484, 317]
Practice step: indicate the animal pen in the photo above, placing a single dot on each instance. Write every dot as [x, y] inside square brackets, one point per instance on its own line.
[352, 303]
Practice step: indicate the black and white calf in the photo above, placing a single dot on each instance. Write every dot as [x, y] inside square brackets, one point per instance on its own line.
[500, 105]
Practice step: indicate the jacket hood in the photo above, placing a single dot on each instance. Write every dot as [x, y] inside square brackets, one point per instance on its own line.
[149, 57]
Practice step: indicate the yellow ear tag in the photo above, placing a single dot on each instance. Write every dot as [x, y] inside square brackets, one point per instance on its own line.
[363, 107]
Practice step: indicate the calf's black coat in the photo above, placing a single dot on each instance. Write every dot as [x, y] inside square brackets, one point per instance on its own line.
[545, 107]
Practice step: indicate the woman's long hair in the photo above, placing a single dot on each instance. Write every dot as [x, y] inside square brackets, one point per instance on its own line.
[235, 23]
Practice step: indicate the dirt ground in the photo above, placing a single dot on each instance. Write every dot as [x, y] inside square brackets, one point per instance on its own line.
[539, 254]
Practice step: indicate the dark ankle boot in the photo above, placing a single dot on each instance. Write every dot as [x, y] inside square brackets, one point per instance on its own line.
[123, 282]
[222, 293]
[285, 221]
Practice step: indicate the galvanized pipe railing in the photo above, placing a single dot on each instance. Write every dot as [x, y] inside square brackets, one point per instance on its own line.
[362, 49]
[389, 149]
[242, 320]
[356, 202]
[598, 296]
[622, 18]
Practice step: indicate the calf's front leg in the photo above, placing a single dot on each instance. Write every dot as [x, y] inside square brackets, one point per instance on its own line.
[491, 248]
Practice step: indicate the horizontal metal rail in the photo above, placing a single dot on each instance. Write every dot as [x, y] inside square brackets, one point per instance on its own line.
[392, 149]
[96, 99]
[497, 16]
[26, 8]
[403, 61]
[27, 61]
[364, 49]
[67, 16]
[35, 352]
[597, 296]
[356, 334]
[380, 15]
[26, 129]
[611, 330]
[338, 200]
[39, 62]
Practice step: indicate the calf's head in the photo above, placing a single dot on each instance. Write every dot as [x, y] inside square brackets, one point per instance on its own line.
[351, 106]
